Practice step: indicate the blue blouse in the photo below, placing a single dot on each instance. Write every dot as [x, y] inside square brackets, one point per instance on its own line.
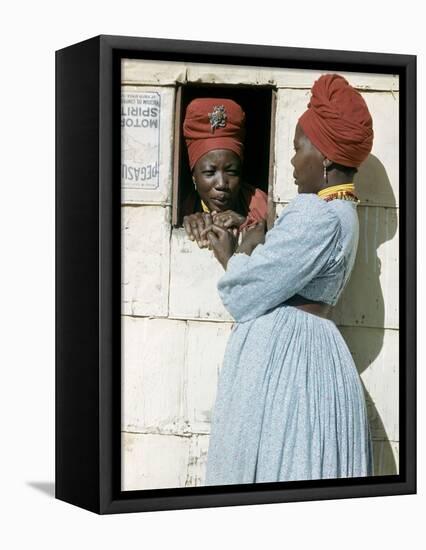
[310, 251]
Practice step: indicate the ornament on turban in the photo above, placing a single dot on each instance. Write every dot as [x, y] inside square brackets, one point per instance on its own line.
[338, 121]
[213, 123]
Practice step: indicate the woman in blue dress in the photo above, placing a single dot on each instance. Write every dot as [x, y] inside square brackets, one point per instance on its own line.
[290, 403]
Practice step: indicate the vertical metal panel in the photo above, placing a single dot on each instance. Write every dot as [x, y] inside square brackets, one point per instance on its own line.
[145, 260]
[152, 461]
[271, 178]
[204, 351]
[194, 273]
[177, 145]
[153, 375]
[371, 297]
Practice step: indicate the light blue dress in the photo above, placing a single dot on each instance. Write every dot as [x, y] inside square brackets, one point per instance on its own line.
[290, 403]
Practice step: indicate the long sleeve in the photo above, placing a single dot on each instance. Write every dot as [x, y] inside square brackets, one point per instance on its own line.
[296, 249]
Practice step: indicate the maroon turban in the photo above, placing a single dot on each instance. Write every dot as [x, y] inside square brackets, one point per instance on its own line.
[338, 121]
[213, 123]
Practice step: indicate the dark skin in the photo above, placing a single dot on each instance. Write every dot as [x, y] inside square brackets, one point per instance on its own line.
[308, 163]
[224, 244]
[217, 176]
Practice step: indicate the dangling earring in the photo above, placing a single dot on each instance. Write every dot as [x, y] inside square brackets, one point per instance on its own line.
[194, 182]
[325, 173]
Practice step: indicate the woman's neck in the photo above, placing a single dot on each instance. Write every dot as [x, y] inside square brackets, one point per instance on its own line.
[336, 178]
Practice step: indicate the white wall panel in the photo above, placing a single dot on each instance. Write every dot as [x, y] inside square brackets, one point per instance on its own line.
[145, 260]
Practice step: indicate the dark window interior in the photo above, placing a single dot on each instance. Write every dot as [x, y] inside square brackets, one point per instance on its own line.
[257, 105]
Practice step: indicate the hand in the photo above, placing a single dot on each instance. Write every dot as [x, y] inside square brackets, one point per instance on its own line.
[222, 241]
[228, 219]
[194, 224]
[251, 237]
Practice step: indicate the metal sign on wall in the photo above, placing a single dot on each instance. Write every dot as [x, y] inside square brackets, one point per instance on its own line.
[140, 139]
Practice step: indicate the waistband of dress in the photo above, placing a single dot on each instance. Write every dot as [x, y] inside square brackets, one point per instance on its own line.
[321, 309]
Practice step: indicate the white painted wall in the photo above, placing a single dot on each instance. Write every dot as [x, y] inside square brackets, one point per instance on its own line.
[171, 312]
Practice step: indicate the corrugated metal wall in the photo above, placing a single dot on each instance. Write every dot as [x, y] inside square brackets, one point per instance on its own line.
[174, 325]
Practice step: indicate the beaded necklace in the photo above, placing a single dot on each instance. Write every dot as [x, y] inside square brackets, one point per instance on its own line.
[345, 191]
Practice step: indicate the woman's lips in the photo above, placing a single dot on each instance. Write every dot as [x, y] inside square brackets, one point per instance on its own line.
[220, 200]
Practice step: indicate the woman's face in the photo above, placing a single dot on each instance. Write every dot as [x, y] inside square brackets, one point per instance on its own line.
[218, 178]
[308, 164]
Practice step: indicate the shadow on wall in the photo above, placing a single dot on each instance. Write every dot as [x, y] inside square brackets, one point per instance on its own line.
[362, 303]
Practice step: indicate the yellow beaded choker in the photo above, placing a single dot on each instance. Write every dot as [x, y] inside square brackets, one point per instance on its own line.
[204, 207]
[345, 191]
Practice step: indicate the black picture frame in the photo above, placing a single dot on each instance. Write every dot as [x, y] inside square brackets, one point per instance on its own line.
[88, 252]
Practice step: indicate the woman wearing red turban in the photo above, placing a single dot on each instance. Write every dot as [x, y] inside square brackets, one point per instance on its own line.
[290, 403]
[214, 131]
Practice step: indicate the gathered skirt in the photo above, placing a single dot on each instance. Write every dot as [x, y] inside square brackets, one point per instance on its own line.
[290, 404]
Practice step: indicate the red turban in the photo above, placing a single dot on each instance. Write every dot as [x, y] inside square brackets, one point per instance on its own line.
[213, 123]
[338, 122]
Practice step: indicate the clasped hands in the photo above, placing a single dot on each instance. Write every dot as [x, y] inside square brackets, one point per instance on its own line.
[218, 231]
